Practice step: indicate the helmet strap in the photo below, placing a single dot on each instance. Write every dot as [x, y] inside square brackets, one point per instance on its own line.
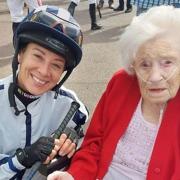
[15, 65]
[12, 99]
[57, 87]
[12, 85]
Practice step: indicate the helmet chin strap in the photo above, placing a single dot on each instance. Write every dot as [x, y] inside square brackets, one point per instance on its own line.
[13, 85]
[12, 99]
[56, 88]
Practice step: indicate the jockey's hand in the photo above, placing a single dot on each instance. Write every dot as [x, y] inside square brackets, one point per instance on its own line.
[65, 145]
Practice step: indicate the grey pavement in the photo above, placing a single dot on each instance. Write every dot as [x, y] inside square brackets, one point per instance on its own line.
[100, 50]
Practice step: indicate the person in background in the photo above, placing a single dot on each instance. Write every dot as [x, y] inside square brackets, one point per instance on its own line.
[92, 12]
[121, 6]
[134, 132]
[144, 5]
[33, 102]
[110, 4]
[16, 10]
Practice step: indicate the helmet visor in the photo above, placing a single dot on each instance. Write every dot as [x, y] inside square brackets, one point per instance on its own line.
[70, 29]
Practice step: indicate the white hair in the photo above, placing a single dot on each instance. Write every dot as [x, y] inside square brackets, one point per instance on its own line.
[155, 22]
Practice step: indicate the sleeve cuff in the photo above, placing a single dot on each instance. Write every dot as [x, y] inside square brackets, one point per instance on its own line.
[14, 164]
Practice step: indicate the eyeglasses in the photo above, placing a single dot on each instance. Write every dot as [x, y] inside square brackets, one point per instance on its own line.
[165, 68]
[51, 20]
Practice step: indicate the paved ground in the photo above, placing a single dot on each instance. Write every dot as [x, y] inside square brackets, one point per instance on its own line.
[100, 49]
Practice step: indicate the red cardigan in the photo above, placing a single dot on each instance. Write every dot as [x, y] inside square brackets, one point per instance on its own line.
[110, 120]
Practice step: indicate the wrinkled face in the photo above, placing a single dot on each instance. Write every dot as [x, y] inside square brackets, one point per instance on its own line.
[39, 70]
[157, 66]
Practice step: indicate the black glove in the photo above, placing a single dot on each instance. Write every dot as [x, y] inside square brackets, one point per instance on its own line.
[38, 151]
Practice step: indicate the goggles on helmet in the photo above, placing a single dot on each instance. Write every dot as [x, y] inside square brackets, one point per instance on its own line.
[70, 29]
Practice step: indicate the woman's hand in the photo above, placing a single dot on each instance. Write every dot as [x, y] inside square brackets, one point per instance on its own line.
[63, 146]
[67, 146]
[58, 175]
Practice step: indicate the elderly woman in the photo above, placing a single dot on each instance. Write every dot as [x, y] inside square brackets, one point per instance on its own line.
[135, 130]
